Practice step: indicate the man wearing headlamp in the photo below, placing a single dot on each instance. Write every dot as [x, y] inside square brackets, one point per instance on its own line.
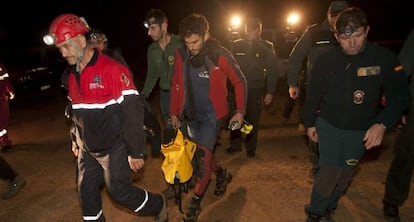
[107, 114]
[160, 66]
[341, 108]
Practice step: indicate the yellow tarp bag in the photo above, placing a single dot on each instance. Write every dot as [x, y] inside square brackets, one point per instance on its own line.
[178, 156]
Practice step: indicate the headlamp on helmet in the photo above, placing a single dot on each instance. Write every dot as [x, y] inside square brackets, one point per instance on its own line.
[65, 27]
[49, 39]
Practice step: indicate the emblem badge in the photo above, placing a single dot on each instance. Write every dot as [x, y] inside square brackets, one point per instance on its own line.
[171, 60]
[359, 96]
[97, 83]
[125, 79]
[97, 79]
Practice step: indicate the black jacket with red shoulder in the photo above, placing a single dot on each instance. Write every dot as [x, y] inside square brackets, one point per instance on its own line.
[106, 107]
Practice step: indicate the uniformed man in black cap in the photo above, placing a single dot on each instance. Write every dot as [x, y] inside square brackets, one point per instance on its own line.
[258, 63]
[316, 40]
[341, 109]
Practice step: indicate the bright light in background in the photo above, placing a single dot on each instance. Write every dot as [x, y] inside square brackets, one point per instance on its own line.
[235, 26]
[235, 21]
[293, 19]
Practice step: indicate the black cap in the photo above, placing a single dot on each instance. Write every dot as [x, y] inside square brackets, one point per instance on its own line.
[337, 6]
[253, 23]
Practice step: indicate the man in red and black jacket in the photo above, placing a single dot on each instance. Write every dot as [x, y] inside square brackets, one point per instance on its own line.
[199, 96]
[107, 113]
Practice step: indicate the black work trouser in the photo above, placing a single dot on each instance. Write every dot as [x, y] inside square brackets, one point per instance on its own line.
[6, 171]
[253, 112]
[397, 186]
[112, 168]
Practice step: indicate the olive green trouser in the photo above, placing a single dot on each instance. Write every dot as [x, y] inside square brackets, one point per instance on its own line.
[339, 154]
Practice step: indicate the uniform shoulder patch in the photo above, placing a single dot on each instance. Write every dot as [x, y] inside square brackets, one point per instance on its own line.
[398, 68]
[237, 40]
[125, 79]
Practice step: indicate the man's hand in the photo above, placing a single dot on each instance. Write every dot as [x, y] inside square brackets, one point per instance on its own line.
[312, 134]
[374, 136]
[239, 118]
[75, 149]
[11, 95]
[404, 120]
[293, 92]
[268, 99]
[175, 122]
[135, 164]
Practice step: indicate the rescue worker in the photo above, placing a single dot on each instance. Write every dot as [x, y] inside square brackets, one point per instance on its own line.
[15, 182]
[198, 98]
[160, 67]
[107, 126]
[160, 59]
[6, 93]
[316, 40]
[345, 88]
[398, 183]
[257, 60]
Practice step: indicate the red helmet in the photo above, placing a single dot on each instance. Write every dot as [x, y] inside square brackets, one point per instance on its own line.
[67, 26]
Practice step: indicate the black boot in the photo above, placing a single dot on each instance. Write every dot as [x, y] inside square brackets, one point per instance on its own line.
[223, 178]
[313, 218]
[232, 150]
[328, 217]
[193, 210]
[391, 213]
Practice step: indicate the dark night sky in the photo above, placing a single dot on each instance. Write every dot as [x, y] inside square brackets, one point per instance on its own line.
[22, 24]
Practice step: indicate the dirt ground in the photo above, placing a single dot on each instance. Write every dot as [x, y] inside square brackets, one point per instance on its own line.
[272, 187]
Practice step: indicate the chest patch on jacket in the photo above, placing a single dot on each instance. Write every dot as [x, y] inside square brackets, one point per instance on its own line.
[369, 71]
[97, 83]
[170, 60]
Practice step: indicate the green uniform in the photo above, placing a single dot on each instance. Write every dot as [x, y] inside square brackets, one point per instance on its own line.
[258, 63]
[161, 67]
[316, 40]
[397, 186]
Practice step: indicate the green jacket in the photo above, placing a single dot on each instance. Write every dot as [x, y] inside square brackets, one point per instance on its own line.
[316, 40]
[160, 65]
[258, 63]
